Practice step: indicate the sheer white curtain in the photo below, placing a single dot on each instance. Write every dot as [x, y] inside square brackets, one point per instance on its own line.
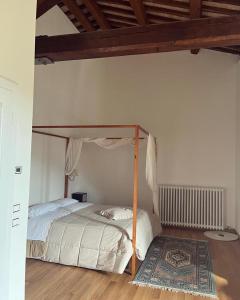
[72, 168]
[151, 172]
[73, 154]
[72, 157]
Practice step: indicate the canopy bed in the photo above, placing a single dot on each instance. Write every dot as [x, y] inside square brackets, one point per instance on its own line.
[139, 220]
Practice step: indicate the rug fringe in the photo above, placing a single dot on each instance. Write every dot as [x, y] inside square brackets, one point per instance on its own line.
[184, 238]
[173, 289]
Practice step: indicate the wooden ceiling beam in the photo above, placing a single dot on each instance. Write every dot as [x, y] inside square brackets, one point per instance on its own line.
[229, 2]
[172, 36]
[195, 13]
[119, 13]
[168, 13]
[44, 5]
[79, 15]
[116, 24]
[220, 10]
[139, 11]
[112, 4]
[195, 9]
[160, 19]
[226, 50]
[127, 22]
[95, 10]
[234, 47]
[156, 13]
[169, 3]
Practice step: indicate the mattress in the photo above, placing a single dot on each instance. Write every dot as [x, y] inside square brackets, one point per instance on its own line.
[79, 236]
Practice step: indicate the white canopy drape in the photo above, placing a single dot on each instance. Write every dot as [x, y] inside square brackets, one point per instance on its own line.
[73, 154]
[151, 172]
[72, 168]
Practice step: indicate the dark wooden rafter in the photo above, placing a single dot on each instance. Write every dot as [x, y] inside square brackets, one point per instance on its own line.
[195, 13]
[139, 11]
[166, 11]
[195, 9]
[119, 12]
[126, 22]
[44, 5]
[160, 19]
[229, 49]
[114, 4]
[218, 10]
[169, 3]
[235, 48]
[172, 36]
[232, 2]
[79, 15]
[95, 10]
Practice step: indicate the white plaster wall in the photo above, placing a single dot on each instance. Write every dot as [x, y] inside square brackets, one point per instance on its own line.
[47, 169]
[188, 102]
[57, 92]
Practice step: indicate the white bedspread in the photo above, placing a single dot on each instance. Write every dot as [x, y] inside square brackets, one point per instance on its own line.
[77, 235]
[38, 227]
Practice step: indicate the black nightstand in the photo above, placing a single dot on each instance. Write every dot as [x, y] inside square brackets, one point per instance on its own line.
[80, 197]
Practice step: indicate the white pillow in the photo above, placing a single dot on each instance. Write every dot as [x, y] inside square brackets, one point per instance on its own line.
[40, 209]
[64, 202]
[117, 213]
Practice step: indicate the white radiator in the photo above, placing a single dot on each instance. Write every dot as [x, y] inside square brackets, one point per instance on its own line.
[189, 206]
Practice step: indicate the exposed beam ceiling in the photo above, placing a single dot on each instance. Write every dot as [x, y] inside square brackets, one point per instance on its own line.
[195, 13]
[93, 15]
[183, 35]
[44, 5]
[79, 15]
[139, 11]
[95, 10]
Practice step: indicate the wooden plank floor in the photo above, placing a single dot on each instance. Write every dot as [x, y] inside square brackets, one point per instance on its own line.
[48, 281]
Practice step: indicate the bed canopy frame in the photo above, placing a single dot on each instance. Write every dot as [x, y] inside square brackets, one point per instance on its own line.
[137, 129]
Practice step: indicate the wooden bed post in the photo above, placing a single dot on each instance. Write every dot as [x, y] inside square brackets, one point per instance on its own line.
[66, 176]
[135, 201]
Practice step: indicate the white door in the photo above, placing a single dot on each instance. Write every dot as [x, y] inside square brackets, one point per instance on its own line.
[7, 172]
[17, 33]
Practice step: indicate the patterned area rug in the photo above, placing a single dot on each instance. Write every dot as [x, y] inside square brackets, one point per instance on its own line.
[179, 265]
